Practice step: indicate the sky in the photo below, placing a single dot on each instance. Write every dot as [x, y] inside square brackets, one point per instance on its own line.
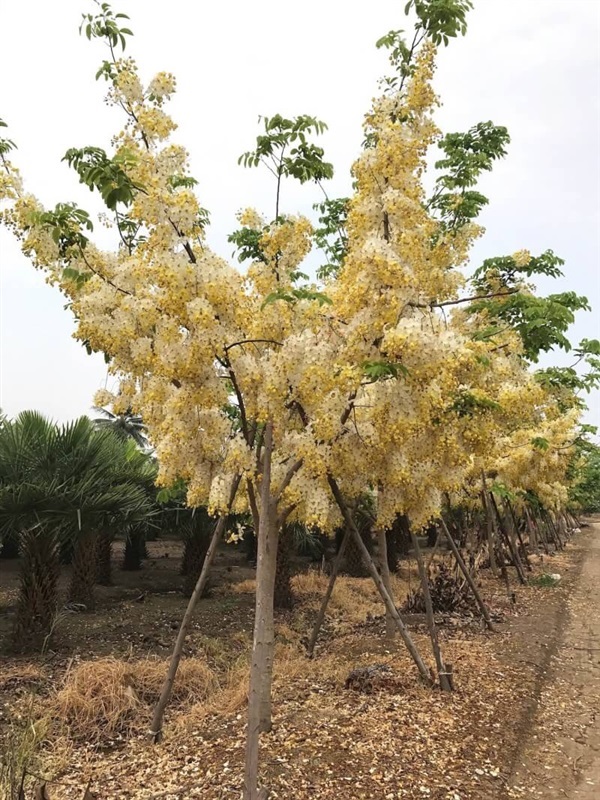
[531, 65]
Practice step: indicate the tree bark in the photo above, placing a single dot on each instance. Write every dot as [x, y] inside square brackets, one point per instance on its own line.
[390, 627]
[518, 534]
[402, 534]
[37, 600]
[391, 546]
[83, 570]
[195, 549]
[554, 530]
[353, 564]
[283, 597]
[468, 577]
[512, 549]
[167, 687]
[332, 578]
[389, 602]
[533, 539]
[443, 673]
[10, 546]
[489, 525]
[134, 551]
[261, 668]
[104, 558]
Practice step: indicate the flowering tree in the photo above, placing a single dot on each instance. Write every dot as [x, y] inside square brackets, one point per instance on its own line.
[265, 391]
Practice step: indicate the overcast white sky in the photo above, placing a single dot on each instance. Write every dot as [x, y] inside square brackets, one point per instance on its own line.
[532, 65]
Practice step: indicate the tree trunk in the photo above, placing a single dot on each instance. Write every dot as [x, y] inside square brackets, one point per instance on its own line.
[432, 535]
[402, 528]
[353, 564]
[10, 546]
[65, 552]
[261, 669]
[250, 545]
[134, 550]
[443, 673]
[468, 576]
[504, 575]
[104, 557]
[332, 578]
[540, 530]
[167, 687]
[37, 600]
[196, 546]
[511, 548]
[83, 570]
[390, 627]
[283, 597]
[518, 534]
[389, 602]
[489, 519]
[533, 539]
[552, 527]
[392, 550]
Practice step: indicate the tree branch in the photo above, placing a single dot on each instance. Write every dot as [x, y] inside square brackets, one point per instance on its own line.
[293, 469]
[251, 341]
[464, 299]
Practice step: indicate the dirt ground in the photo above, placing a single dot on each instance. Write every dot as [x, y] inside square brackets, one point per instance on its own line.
[525, 695]
[561, 755]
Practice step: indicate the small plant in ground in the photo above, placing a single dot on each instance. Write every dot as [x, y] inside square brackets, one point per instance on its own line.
[19, 752]
[545, 579]
[448, 593]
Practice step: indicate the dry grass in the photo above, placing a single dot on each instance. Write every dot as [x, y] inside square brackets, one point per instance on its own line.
[231, 696]
[18, 675]
[352, 598]
[292, 664]
[242, 587]
[109, 699]
[309, 584]
[20, 750]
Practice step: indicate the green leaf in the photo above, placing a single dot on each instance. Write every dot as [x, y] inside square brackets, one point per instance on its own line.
[296, 294]
[540, 443]
[377, 370]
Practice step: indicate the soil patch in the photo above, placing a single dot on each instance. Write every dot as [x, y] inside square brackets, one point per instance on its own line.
[398, 740]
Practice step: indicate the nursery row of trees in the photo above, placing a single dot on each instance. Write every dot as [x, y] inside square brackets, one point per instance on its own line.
[65, 493]
[389, 376]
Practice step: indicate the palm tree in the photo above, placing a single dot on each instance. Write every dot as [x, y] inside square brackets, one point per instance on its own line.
[129, 474]
[127, 425]
[59, 484]
[364, 519]
[196, 527]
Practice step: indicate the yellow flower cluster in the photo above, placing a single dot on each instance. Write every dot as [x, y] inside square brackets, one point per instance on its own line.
[377, 389]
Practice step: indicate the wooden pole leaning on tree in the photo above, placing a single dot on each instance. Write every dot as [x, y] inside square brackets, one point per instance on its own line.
[489, 519]
[390, 628]
[463, 568]
[519, 535]
[332, 578]
[511, 549]
[368, 561]
[167, 687]
[444, 674]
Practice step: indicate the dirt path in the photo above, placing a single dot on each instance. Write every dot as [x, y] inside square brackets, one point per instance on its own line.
[561, 758]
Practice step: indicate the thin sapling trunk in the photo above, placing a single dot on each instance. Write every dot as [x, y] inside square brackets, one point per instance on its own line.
[443, 673]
